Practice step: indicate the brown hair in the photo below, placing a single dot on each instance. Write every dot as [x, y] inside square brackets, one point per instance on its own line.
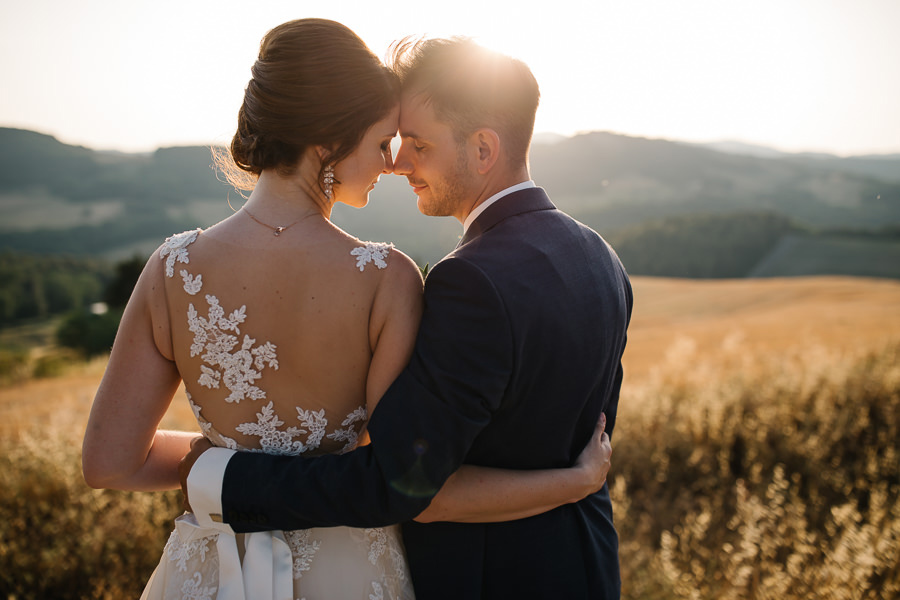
[470, 87]
[315, 83]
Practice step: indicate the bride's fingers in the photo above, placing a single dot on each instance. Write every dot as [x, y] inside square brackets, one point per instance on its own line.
[595, 457]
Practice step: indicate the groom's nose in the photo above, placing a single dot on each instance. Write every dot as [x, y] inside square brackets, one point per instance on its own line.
[403, 161]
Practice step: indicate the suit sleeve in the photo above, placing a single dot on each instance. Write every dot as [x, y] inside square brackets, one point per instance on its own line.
[421, 429]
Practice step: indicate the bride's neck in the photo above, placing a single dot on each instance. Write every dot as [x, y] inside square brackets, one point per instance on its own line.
[287, 197]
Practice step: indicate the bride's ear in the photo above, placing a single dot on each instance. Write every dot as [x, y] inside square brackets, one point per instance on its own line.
[323, 153]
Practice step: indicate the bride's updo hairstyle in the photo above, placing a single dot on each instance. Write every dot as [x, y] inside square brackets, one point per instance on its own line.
[315, 83]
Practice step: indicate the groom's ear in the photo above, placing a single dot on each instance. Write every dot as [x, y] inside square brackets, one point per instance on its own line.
[486, 145]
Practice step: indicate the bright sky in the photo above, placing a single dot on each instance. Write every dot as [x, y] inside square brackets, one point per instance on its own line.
[816, 75]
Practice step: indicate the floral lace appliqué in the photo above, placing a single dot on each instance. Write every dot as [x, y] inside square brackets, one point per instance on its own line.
[372, 252]
[205, 426]
[377, 591]
[282, 442]
[181, 552]
[192, 285]
[385, 553]
[208, 430]
[175, 249]
[191, 589]
[303, 548]
[238, 370]
[377, 543]
[350, 433]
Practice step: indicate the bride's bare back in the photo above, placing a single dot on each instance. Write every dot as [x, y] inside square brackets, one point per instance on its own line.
[274, 336]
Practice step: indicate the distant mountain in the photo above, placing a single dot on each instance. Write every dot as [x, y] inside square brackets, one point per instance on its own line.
[881, 166]
[885, 167]
[743, 148]
[622, 181]
[834, 254]
[60, 198]
[32, 161]
[547, 138]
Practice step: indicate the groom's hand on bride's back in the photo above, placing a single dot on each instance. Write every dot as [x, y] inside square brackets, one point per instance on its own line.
[198, 447]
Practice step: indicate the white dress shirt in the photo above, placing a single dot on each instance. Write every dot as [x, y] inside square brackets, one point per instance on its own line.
[483, 206]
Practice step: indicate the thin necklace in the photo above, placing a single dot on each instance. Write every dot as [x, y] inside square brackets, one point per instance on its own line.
[277, 230]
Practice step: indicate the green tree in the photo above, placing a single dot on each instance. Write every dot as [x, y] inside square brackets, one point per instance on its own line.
[122, 284]
[87, 333]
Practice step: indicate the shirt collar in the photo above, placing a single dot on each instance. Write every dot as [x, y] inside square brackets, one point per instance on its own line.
[483, 206]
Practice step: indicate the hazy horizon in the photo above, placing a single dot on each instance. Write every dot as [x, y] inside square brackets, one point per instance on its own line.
[799, 76]
[540, 137]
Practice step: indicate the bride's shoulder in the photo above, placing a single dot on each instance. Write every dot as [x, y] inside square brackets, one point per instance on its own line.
[397, 273]
[399, 287]
[371, 254]
[175, 249]
[383, 256]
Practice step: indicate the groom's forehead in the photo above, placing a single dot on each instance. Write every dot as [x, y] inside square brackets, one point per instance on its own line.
[416, 105]
[416, 115]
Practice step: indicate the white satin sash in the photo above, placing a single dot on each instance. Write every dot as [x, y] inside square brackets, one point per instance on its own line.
[265, 573]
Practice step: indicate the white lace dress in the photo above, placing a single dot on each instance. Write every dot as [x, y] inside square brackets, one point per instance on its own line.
[335, 563]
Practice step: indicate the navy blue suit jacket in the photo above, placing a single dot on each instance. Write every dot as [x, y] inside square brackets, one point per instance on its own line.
[519, 351]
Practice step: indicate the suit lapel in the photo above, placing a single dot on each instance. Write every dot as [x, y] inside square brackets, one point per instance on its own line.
[517, 203]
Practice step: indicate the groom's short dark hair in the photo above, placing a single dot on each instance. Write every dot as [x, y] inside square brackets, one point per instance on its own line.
[470, 87]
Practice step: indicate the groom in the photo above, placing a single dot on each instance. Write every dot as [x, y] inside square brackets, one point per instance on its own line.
[518, 353]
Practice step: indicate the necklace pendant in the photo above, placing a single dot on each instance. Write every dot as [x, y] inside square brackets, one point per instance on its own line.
[278, 231]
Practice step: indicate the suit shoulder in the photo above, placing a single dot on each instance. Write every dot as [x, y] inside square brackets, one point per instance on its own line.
[459, 273]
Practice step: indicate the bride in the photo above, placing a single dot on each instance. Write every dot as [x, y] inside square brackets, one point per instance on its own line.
[286, 331]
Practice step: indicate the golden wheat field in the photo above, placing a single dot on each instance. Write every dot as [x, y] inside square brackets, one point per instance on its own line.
[677, 318]
[755, 454]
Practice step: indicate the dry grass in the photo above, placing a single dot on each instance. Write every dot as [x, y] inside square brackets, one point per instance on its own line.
[756, 317]
[59, 538]
[755, 454]
[65, 402]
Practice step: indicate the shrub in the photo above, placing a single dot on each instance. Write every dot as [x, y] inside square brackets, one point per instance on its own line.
[61, 539]
[13, 365]
[88, 333]
[53, 364]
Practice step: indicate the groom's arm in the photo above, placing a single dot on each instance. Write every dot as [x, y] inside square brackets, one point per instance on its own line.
[421, 429]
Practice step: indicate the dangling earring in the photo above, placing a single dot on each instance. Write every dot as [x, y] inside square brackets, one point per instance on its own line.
[329, 181]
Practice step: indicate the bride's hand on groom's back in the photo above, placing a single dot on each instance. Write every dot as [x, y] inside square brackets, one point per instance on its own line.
[594, 460]
[198, 447]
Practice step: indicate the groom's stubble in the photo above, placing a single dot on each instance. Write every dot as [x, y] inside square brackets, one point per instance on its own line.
[447, 192]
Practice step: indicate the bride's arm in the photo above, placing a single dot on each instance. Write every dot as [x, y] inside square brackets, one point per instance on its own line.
[482, 494]
[122, 447]
[472, 494]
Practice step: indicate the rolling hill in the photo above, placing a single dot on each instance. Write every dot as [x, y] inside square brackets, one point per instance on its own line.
[56, 198]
